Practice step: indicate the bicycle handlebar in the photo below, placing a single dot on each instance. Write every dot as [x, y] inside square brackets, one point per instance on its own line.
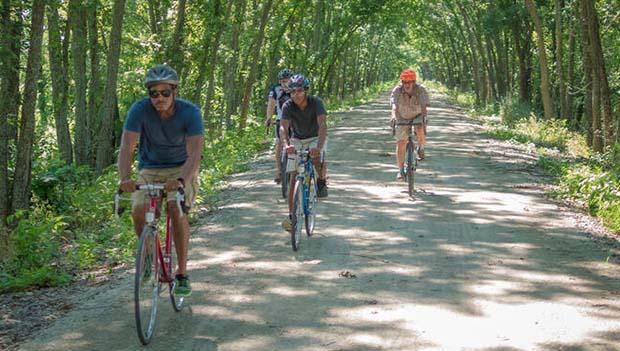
[180, 197]
[408, 122]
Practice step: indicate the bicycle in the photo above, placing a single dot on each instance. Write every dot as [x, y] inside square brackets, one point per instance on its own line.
[411, 160]
[304, 198]
[152, 273]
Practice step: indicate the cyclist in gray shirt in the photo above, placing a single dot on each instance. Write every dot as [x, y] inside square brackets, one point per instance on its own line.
[307, 117]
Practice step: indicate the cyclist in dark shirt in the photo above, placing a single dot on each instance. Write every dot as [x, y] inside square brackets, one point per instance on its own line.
[307, 118]
[278, 95]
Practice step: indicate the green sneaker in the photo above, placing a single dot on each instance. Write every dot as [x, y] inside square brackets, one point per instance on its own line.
[182, 287]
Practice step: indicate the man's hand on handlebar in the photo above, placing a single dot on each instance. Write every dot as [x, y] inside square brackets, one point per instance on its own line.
[290, 149]
[173, 185]
[315, 152]
[127, 186]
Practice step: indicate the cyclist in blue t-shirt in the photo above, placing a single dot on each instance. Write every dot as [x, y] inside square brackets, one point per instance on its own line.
[170, 135]
[278, 95]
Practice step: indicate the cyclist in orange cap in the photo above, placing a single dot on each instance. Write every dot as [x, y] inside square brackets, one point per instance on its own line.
[409, 101]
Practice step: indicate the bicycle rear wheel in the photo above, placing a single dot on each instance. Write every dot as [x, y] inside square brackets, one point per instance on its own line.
[298, 213]
[311, 206]
[410, 168]
[284, 175]
[146, 284]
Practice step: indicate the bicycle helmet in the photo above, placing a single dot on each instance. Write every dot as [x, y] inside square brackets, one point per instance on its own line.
[408, 75]
[298, 81]
[161, 74]
[285, 73]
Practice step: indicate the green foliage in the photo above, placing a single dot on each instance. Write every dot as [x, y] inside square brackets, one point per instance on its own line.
[595, 189]
[548, 134]
[37, 259]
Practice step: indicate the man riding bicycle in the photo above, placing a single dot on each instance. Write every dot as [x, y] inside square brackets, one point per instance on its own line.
[409, 101]
[171, 135]
[278, 95]
[307, 117]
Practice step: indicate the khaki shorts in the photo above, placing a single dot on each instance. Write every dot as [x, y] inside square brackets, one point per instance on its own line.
[402, 132]
[299, 144]
[161, 175]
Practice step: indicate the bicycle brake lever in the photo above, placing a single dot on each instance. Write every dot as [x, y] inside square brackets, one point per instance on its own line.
[117, 200]
[181, 201]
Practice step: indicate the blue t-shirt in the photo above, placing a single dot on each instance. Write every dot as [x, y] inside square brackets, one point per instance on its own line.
[162, 141]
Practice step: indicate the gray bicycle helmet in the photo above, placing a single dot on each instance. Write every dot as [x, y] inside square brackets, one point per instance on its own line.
[299, 81]
[285, 73]
[161, 74]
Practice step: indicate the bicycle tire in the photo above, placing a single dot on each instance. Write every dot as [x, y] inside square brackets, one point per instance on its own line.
[310, 217]
[410, 169]
[284, 175]
[298, 212]
[177, 301]
[146, 288]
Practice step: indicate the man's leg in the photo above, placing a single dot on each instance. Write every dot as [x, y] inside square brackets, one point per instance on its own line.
[180, 234]
[401, 146]
[137, 214]
[321, 170]
[421, 137]
[287, 224]
[278, 158]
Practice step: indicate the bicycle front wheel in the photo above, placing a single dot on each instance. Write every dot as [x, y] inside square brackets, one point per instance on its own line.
[311, 205]
[410, 168]
[146, 284]
[298, 213]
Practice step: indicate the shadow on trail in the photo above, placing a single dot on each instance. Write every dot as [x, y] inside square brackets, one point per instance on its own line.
[423, 274]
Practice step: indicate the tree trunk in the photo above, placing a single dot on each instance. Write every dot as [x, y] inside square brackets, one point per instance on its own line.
[23, 164]
[542, 55]
[10, 38]
[94, 89]
[105, 138]
[591, 100]
[570, 74]
[559, 57]
[58, 75]
[247, 91]
[233, 63]
[600, 71]
[175, 54]
[78, 49]
[213, 57]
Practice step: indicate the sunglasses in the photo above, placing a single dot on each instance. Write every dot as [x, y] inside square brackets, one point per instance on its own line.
[297, 90]
[409, 82]
[154, 93]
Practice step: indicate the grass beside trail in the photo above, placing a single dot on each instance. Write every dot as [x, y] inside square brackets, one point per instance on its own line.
[589, 180]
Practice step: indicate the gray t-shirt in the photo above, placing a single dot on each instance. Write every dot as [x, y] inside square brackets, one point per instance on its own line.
[304, 123]
[162, 142]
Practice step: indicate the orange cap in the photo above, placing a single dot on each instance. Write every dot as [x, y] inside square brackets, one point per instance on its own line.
[408, 75]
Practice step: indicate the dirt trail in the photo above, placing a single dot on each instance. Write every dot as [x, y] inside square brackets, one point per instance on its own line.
[479, 260]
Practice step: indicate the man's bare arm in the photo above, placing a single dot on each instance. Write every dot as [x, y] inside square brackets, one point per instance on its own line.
[322, 120]
[195, 145]
[284, 127]
[129, 140]
[271, 108]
